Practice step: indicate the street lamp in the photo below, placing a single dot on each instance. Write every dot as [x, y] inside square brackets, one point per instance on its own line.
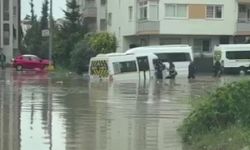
[50, 35]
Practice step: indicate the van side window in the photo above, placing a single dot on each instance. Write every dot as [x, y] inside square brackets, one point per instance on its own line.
[175, 57]
[126, 66]
[238, 55]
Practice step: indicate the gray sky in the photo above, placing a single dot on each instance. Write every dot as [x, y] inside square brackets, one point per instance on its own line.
[58, 5]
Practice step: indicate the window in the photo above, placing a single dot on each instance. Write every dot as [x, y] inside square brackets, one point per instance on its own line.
[153, 12]
[6, 14]
[14, 11]
[214, 11]
[103, 25]
[238, 55]
[103, 2]
[126, 66]
[110, 19]
[176, 10]
[170, 41]
[6, 34]
[201, 45]
[130, 11]
[175, 57]
[143, 12]
[244, 13]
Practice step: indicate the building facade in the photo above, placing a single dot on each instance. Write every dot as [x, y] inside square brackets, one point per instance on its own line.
[201, 24]
[9, 27]
[94, 14]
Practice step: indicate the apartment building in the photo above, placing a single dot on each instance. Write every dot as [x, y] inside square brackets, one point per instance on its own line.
[9, 27]
[94, 14]
[201, 24]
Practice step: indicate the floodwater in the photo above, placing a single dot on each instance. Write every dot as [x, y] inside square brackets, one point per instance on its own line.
[51, 112]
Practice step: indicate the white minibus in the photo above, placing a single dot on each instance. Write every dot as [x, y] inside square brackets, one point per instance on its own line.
[235, 58]
[180, 55]
[121, 66]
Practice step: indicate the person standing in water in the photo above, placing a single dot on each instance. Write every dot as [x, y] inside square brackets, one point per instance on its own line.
[2, 60]
[191, 70]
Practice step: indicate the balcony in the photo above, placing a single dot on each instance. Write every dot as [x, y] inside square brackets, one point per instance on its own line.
[148, 27]
[90, 10]
[243, 25]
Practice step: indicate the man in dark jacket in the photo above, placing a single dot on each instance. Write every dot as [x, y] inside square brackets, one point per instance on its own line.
[2, 60]
[217, 69]
[191, 70]
[159, 67]
[172, 73]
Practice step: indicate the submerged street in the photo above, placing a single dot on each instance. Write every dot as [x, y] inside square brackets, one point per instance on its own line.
[66, 112]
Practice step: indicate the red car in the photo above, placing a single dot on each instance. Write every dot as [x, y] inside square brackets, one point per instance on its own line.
[30, 62]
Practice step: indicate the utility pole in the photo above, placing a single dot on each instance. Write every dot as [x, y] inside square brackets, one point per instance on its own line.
[50, 35]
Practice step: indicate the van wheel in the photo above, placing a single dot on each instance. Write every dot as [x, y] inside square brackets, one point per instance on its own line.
[242, 70]
[19, 67]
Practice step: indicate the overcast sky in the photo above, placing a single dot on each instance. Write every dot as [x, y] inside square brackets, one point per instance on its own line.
[58, 5]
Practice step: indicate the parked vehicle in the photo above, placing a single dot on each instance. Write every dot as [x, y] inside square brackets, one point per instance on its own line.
[180, 55]
[234, 58]
[29, 62]
[121, 66]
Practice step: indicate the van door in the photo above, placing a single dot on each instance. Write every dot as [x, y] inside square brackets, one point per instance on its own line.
[143, 67]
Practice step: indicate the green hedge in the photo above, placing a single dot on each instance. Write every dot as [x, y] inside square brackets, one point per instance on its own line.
[227, 106]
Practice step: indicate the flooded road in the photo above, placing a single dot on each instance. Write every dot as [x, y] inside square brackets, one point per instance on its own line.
[54, 112]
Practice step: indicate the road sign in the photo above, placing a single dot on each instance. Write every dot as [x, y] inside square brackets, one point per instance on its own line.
[45, 33]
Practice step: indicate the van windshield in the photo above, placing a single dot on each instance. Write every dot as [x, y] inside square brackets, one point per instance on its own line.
[99, 68]
[175, 57]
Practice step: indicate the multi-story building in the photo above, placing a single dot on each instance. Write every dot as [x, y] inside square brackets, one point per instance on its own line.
[201, 24]
[88, 10]
[94, 14]
[9, 27]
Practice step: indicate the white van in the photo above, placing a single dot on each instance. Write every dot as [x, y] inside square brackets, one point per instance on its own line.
[235, 58]
[180, 55]
[121, 66]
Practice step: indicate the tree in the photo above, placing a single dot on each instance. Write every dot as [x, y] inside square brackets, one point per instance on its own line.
[70, 33]
[72, 15]
[103, 42]
[44, 51]
[80, 56]
[44, 19]
[32, 40]
[33, 16]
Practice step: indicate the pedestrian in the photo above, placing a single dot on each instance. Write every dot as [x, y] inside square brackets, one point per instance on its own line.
[217, 69]
[171, 70]
[159, 67]
[2, 60]
[191, 70]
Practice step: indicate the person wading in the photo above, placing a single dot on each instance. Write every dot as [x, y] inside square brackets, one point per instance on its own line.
[159, 67]
[191, 70]
[2, 60]
[217, 69]
[172, 71]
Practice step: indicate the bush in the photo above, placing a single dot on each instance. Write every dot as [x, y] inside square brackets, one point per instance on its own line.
[103, 42]
[227, 106]
[80, 56]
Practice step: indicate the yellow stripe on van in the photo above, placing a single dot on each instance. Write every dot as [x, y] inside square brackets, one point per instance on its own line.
[99, 68]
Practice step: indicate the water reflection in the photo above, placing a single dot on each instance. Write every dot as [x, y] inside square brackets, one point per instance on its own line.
[70, 113]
